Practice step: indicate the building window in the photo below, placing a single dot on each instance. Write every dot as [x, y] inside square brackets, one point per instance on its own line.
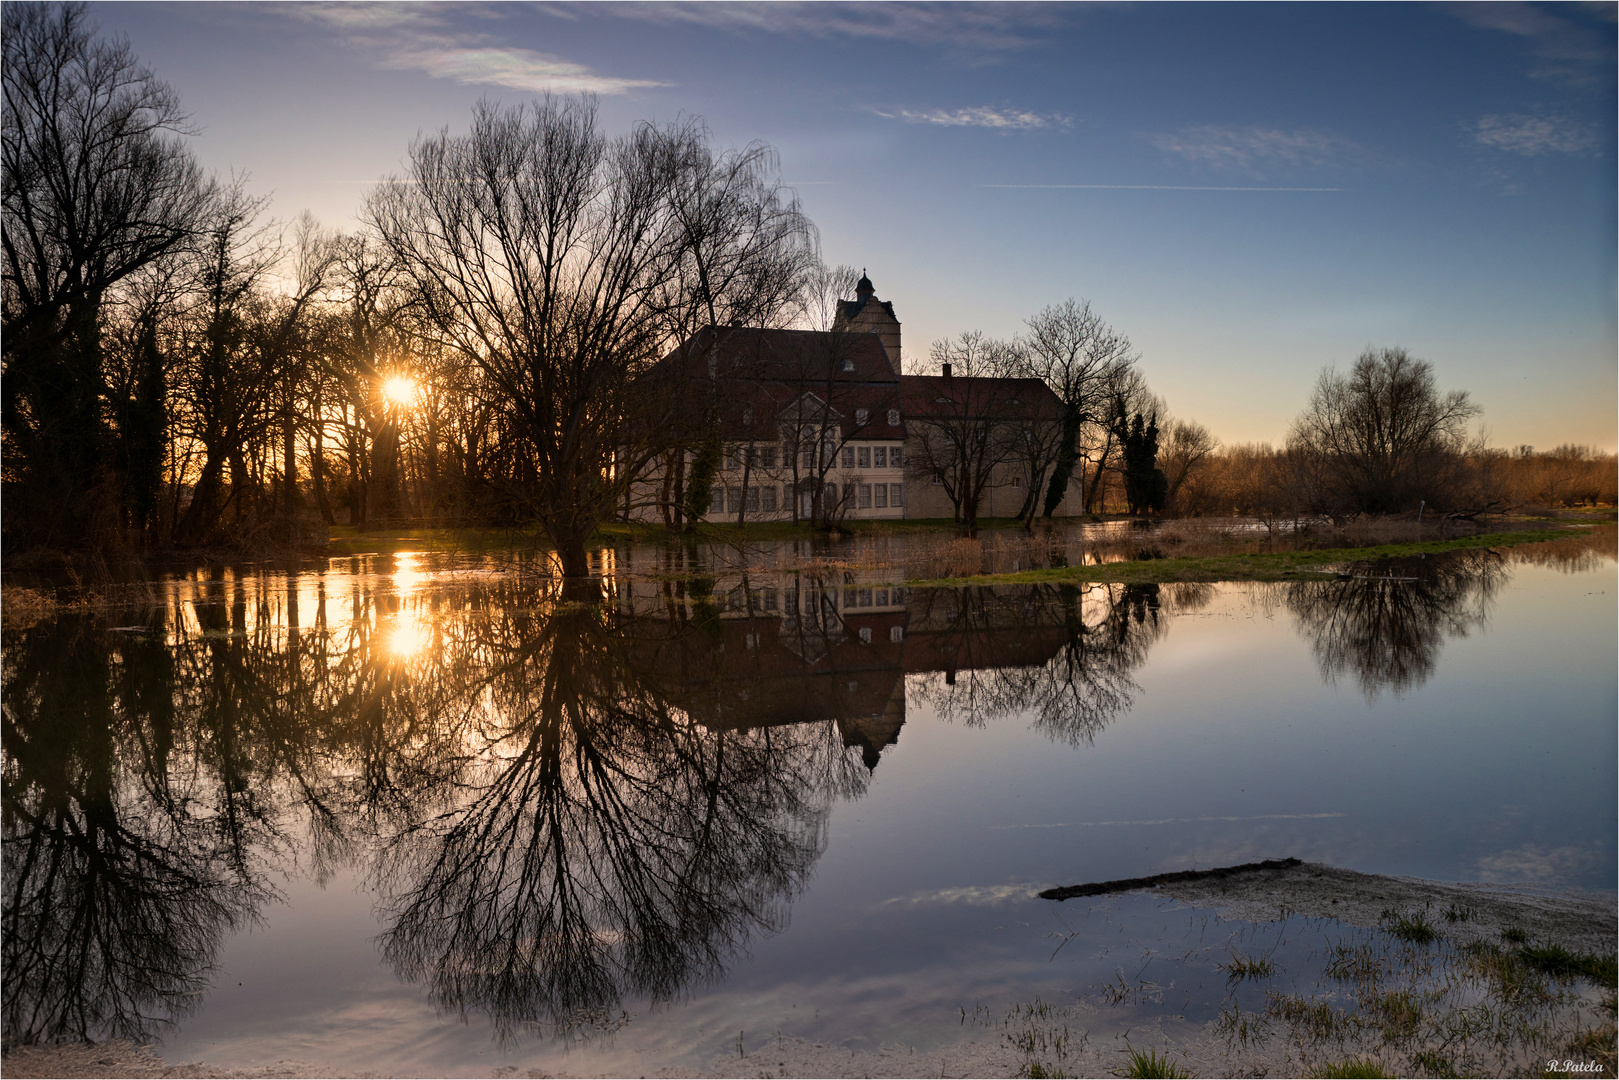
[716, 504]
[881, 599]
[753, 499]
[767, 456]
[938, 478]
[893, 418]
[830, 495]
[1017, 481]
[733, 500]
[751, 456]
[894, 500]
[848, 365]
[865, 496]
[860, 417]
[896, 458]
[772, 598]
[851, 598]
[865, 634]
[848, 457]
[879, 496]
[879, 457]
[865, 457]
[865, 597]
[731, 462]
[770, 497]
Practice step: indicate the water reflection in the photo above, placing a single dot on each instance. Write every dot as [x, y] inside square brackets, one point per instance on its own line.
[560, 800]
[1385, 628]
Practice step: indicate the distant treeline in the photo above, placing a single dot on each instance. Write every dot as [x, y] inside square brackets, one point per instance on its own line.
[1263, 480]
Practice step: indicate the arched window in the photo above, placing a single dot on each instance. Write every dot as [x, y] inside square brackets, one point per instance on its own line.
[893, 418]
[860, 417]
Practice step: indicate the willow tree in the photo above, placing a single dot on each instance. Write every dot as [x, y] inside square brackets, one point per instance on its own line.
[563, 263]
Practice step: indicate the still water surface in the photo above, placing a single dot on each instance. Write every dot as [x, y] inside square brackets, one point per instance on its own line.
[418, 814]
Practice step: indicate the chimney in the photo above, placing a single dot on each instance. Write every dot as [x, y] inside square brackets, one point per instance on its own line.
[947, 371]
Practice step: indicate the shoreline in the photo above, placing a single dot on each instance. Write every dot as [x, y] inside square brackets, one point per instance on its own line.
[1579, 920]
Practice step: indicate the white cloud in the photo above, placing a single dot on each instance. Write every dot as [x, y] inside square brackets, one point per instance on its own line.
[980, 116]
[974, 30]
[520, 69]
[1255, 150]
[1534, 135]
[1565, 51]
[416, 37]
[972, 895]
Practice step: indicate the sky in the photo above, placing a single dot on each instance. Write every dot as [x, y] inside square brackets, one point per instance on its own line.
[1249, 192]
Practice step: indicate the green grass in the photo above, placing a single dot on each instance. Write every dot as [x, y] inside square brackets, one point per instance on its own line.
[1353, 1069]
[1414, 928]
[1147, 1063]
[1560, 963]
[1267, 566]
[1248, 967]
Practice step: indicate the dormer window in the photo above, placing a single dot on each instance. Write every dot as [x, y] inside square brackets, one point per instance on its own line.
[848, 365]
[893, 418]
[860, 417]
[747, 416]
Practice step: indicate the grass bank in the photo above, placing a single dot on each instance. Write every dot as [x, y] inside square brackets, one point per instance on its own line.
[1257, 566]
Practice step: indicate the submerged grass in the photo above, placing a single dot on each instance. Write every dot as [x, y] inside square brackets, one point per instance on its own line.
[1352, 1069]
[1147, 1063]
[1560, 963]
[1242, 966]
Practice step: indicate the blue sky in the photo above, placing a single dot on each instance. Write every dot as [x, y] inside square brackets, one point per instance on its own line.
[1250, 192]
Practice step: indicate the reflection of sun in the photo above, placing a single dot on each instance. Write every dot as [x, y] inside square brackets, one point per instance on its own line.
[407, 637]
[400, 390]
[406, 576]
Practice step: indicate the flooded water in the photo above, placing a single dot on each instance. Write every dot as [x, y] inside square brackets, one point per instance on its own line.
[437, 815]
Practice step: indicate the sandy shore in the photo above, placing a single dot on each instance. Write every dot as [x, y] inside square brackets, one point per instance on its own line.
[1581, 922]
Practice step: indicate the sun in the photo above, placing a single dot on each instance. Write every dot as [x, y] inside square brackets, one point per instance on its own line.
[400, 390]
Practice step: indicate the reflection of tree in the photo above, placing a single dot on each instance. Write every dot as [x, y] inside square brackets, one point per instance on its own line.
[1387, 627]
[1064, 653]
[554, 829]
[604, 844]
[567, 803]
[116, 894]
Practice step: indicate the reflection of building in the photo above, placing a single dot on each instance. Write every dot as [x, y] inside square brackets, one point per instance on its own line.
[798, 647]
[809, 420]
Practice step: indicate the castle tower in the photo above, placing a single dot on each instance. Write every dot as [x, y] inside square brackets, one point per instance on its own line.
[869, 315]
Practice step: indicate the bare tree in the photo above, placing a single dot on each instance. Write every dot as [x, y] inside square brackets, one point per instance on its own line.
[1386, 437]
[1185, 446]
[562, 264]
[96, 186]
[964, 422]
[1083, 360]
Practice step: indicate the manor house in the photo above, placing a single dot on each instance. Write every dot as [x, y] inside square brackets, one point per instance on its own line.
[826, 423]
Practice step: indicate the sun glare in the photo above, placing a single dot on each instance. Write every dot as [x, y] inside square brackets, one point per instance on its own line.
[400, 390]
[406, 638]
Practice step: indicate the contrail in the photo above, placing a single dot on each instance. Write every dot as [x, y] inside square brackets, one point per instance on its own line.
[1149, 187]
